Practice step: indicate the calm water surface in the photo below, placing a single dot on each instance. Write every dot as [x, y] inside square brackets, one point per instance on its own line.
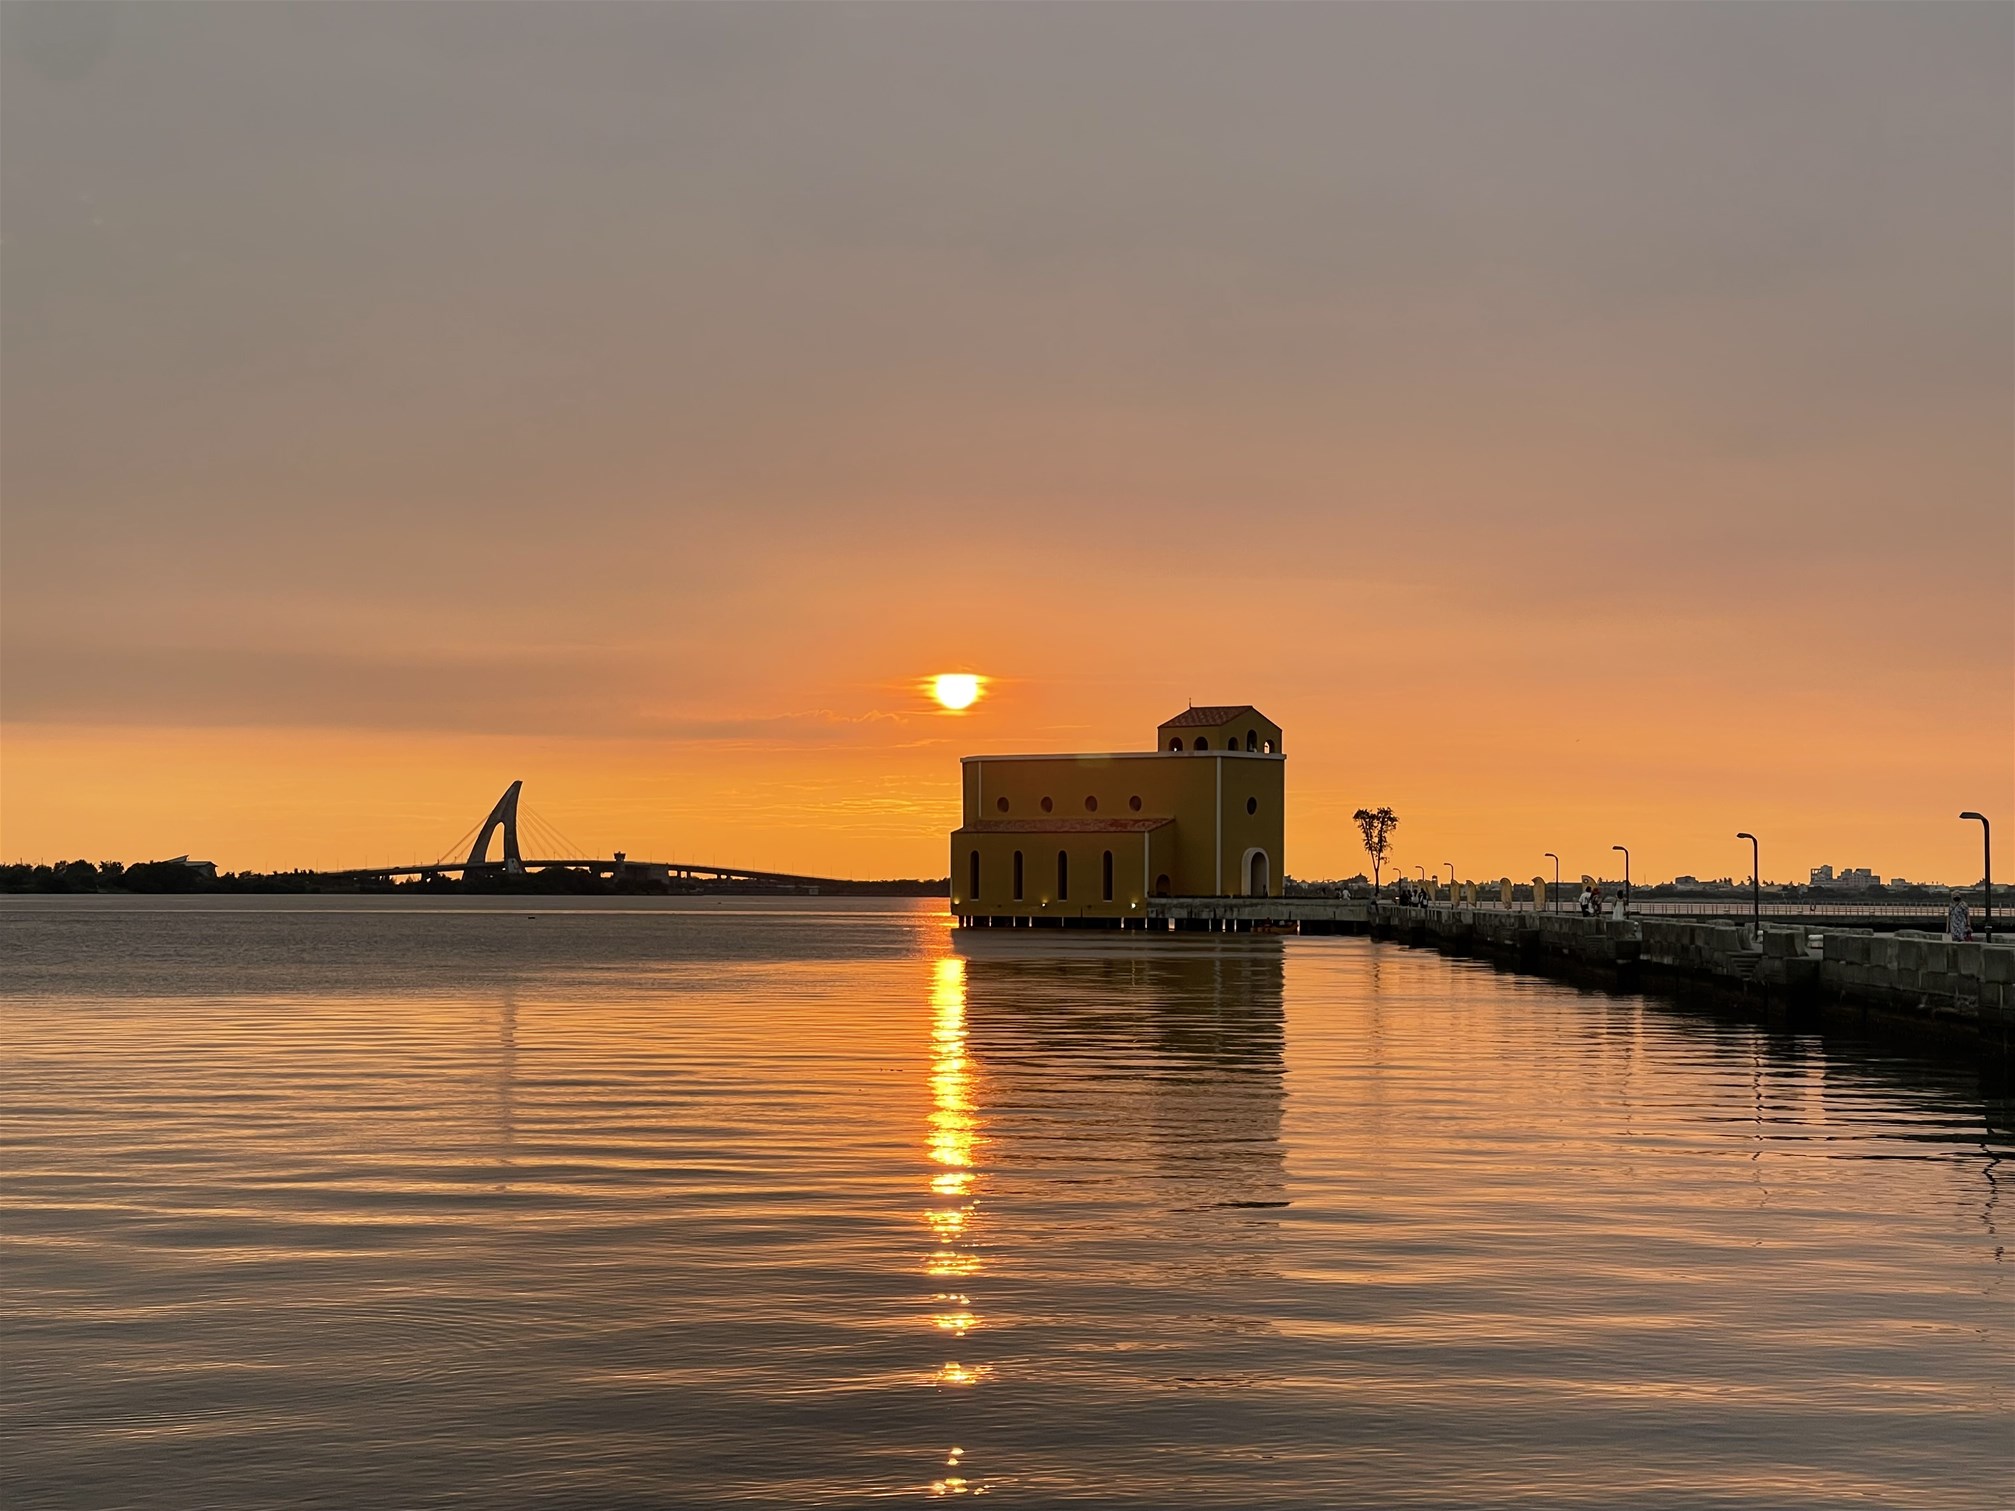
[367, 1202]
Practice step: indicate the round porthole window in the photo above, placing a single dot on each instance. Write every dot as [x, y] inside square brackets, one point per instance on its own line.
[1252, 805]
[1001, 803]
[1091, 805]
[1133, 803]
[1048, 806]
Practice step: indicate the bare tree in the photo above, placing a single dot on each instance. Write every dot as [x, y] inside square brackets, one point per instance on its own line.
[1376, 825]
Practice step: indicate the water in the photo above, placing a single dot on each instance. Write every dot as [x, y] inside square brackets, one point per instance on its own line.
[500, 1203]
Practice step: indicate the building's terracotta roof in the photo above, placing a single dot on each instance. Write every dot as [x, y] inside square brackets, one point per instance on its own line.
[1065, 825]
[1210, 718]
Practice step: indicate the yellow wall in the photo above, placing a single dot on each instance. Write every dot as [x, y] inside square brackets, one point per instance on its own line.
[1138, 858]
[1205, 795]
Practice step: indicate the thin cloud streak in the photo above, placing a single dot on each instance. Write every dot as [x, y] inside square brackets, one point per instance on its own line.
[567, 695]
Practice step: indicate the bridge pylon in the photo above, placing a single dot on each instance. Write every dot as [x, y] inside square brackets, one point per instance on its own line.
[506, 814]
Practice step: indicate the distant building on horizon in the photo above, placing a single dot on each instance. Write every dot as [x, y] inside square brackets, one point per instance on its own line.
[1851, 879]
[1085, 840]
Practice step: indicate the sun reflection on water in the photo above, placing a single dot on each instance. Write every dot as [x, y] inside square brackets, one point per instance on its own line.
[952, 1142]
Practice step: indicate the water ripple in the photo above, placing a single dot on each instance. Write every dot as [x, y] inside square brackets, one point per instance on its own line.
[361, 1201]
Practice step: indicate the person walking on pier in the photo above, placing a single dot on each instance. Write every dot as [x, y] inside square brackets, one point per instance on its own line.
[1958, 920]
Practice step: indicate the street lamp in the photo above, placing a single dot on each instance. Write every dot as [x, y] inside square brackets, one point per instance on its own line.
[1554, 900]
[1986, 873]
[1626, 875]
[1755, 880]
[1451, 874]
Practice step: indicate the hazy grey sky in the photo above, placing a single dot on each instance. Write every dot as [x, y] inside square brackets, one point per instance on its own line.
[329, 327]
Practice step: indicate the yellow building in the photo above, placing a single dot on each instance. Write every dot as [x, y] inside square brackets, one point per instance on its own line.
[1085, 840]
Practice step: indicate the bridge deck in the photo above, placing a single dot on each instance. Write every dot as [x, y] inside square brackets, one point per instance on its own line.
[643, 869]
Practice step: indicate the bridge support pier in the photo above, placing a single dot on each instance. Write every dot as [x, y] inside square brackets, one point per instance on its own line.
[506, 814]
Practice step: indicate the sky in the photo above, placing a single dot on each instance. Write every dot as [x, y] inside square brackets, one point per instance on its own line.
[1574, 424]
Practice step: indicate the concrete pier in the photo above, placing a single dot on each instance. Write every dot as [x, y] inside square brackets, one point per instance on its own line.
[1907, 973]
[1244, 915]
[1202, 915]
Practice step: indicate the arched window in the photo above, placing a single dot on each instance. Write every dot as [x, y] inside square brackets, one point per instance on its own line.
[1001, 803]
[1062, 875]
[1252, 805]
[1017, 876]
[1108, 876]
[1161, 885]
[1201, 743]
[1175, 742]
[973, 876]
[1047, 805]
[1091, 805]
[1252, 739]
[1133, 803]
[1266, 747]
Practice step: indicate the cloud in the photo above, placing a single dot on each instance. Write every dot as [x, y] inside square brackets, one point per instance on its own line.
[1473, 377]
[547, 695]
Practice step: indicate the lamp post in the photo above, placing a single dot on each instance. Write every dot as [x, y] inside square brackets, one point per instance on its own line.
[1626, 875]
[1451, 874]
[1554, 900]
[1755, 880]
[1986, 873]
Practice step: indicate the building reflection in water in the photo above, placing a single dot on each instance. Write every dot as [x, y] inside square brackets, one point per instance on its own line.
[507, 1080]
[1166, 1059]
[1130, 1139]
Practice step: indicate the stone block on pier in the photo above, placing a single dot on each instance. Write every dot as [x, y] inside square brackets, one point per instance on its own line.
[1784, 943]
[1789, 971]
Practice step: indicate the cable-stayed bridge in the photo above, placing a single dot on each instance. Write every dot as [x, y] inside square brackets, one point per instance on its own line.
[512, 825]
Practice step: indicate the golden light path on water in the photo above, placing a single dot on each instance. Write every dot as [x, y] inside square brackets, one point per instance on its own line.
[952, 1142]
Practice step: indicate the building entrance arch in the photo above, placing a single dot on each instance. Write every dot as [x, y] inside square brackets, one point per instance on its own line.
[1258, 874]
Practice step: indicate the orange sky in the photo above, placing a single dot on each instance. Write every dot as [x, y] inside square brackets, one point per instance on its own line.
[1574, 426]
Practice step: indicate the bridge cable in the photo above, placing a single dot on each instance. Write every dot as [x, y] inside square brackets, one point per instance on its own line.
[459, 850]
[569, 846]
[552, 844]
[535, 840]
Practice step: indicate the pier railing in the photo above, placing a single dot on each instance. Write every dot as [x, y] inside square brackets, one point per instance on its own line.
[1741, 908]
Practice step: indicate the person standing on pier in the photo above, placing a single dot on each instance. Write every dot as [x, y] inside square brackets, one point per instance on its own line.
[1958, 919]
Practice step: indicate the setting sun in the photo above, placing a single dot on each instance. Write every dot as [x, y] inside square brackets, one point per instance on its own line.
[956, 690]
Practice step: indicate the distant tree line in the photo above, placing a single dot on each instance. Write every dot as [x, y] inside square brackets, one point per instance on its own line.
[144, 876]
[550, 881]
